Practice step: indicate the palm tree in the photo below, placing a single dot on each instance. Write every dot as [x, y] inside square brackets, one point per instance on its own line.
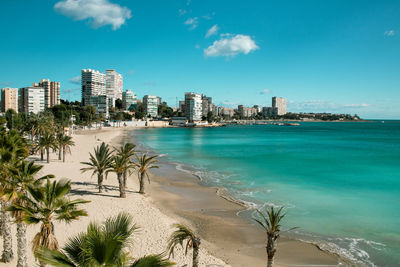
[126, 151]
[143, 165]
[156, 260]
[192, 241]
[272, 227]
[13, 149]
[64, 143]
[101, 245]
[99, 163]
[45, 205]
[120, 165]
[46, 142]
[15, 191]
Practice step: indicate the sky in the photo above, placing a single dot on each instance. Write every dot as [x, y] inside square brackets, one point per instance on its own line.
[340, 56]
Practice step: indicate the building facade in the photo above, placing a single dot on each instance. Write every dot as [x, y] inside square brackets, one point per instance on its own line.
[31, 100]
[245, 112]
[129, 100]
[193, 107]
[100, 103]
[114, 85]
[279, 103]
[9, 99]
[93, 84]
[151, 105]
[206, 105]
[51, 92]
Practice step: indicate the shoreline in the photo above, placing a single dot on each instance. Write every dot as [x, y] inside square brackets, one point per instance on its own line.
[205, 205]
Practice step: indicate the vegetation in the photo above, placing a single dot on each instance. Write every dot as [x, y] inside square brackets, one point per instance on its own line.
[101, 245]
[99, 163]
[272, 227]
[143, 165]
[46, 205]
[182, 234]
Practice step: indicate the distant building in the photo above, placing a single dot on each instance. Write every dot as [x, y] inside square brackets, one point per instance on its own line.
[9, 99]
[206, 105]
[51, 92]
[31, 100]
[280, 104]
[182, 106]
[193, 107]
[100, 103]
[245, 112]
[228, 112]
[151, 105]
[129, 100]
[114, 85]
[93, 84]
[269, 111]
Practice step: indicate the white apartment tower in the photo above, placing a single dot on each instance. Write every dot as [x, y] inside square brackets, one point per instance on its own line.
[129, 99]
[51, 92]
[9, 99]
[114, 84]
[279, 105]
[151, 105]
[193, 107]
[93, 84]
[31, 100]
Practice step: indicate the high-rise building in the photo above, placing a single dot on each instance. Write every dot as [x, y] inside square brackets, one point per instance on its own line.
[193, 107]
[129, 100]
[206, 105]
[51, 92]
[151, 105]
[280, 104]
[93, 84]
[9, 99]
[182, 106]
[31, 100]
[100, 103]
[114, 85]
[245, 112]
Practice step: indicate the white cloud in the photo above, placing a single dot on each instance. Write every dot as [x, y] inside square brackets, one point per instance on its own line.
[98, 12]
[389, 33]
[362, 105]
[265, 91]
[231, 45]
[75, 80]
[212, 31]
[192, 22]
[323, 106]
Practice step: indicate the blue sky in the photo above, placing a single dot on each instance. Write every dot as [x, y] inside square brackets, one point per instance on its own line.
[332, 56]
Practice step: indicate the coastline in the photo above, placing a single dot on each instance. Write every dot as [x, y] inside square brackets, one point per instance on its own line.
[214, 214]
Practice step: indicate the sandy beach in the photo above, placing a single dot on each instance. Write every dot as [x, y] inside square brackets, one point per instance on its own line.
[227, 240]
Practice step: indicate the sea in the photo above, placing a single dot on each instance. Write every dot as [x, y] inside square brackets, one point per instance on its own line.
[339, 182]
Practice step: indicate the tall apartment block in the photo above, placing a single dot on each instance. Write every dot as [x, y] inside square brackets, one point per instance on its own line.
[279, 105]
[100, 102]
[129, 100]
[114, 85]
[9, 99]
[206, 105]
[51, 92]
[93, 84]
[31, 100]
[193, 107]
[151, 105]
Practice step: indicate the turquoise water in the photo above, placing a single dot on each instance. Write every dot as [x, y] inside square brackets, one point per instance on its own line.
[339, 182]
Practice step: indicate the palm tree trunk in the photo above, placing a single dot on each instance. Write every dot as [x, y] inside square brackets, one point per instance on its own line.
[48, 154]
[121, 185]
[100, 182]
[41, 154]
[59, 152]
[6, 232]
[21, 244]
[141, 182]
[125, 177]
[195, 255]
[64, 152]
[270, 250]
[270, 261]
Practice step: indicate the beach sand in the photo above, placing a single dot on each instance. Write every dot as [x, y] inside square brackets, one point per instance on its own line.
[227, 240]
